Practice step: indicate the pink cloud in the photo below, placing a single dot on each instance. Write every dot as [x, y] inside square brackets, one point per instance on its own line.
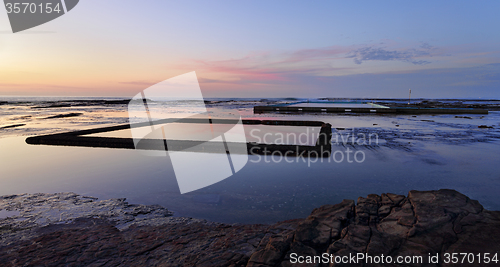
[268, 68]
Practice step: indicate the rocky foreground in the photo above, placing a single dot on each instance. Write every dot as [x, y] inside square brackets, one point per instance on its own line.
[71, 230]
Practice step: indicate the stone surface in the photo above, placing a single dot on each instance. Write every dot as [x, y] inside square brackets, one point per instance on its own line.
[29, 212]
[424, 222]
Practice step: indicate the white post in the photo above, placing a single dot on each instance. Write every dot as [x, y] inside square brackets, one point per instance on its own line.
[409, 98]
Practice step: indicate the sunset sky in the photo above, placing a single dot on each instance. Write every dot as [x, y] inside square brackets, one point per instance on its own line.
[439, 49]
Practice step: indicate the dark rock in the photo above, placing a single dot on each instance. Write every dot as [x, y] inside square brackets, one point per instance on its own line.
[484, 127]
[324, 224]
[68, 115]
[12, 126]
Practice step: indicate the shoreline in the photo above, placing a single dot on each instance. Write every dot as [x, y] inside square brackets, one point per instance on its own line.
[74, 230]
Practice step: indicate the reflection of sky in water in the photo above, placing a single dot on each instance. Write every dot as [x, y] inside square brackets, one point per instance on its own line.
[8, 213]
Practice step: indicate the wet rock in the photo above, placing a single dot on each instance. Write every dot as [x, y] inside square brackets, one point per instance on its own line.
[12, 126]
[68, 115]
[463, 117]
[485, 127]
[34, 211]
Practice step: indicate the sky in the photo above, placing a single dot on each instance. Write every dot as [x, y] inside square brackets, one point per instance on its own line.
[368, 49]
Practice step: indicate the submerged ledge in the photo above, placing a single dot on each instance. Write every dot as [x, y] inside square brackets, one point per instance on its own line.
[73, 230]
